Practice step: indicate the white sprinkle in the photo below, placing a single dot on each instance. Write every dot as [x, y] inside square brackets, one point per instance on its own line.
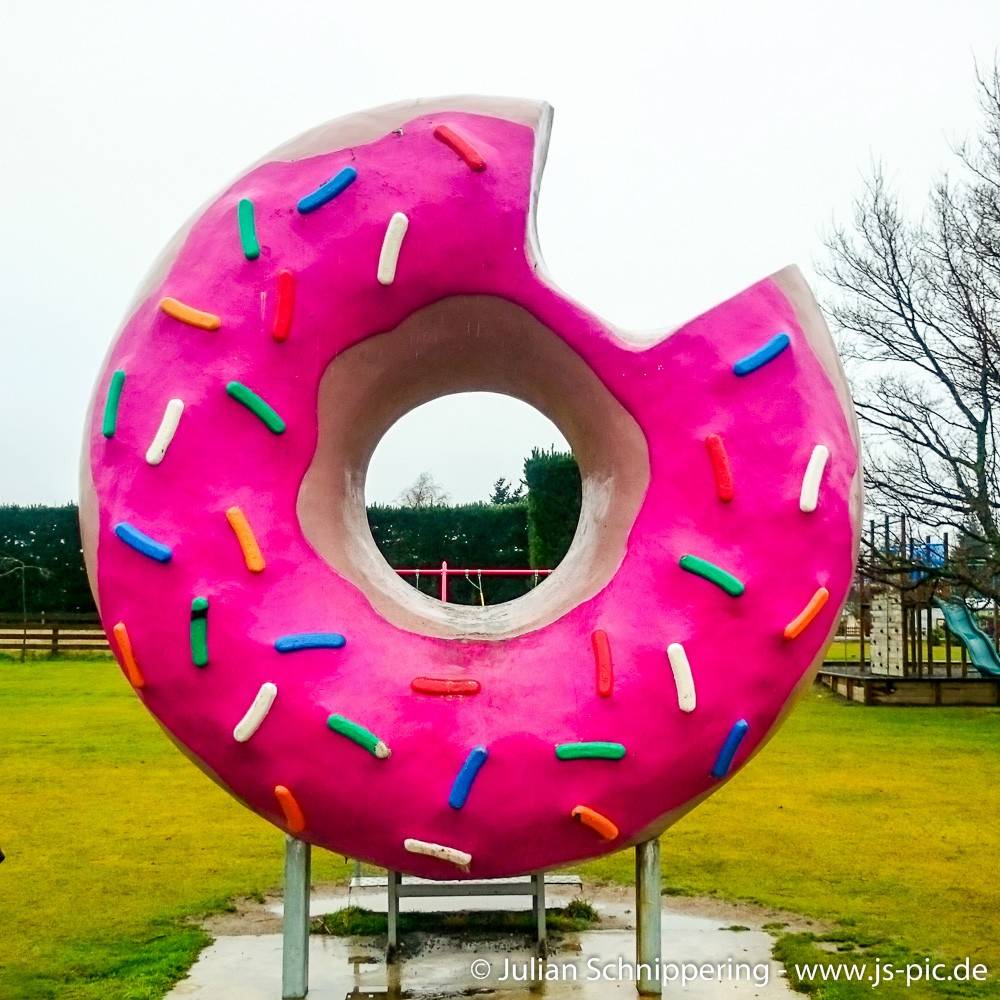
[168, 427]
[683, 681]
[394, 234]
[382, 751]
[809, 497]
[451, 854]
[256, 713]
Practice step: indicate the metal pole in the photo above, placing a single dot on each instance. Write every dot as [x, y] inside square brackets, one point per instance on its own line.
[295, 926]
[538, 909]
[392, 935]
[647, 924]
[444, 583]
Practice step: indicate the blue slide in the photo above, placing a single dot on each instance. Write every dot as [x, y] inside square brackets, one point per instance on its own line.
[962, 624]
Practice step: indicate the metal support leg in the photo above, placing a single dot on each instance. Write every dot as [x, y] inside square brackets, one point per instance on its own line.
[647, 908]
[538, 911]
[295, 927]
[392, 943]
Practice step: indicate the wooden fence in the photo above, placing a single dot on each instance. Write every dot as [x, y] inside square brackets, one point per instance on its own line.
[52, 634]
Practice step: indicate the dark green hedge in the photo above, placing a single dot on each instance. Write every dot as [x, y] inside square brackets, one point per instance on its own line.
[554, 493]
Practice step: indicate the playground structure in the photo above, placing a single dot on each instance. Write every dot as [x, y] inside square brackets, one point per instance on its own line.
[917, 643]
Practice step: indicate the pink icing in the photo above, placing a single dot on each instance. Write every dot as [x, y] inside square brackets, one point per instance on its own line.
[467, 234]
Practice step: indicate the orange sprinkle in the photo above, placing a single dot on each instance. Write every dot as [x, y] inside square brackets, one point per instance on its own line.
[799, 623]
[190, 315]
[132, 671]
[245, 536]
[294, 819]
[598, 823]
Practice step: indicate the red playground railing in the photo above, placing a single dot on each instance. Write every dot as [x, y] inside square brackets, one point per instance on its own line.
[444, 571]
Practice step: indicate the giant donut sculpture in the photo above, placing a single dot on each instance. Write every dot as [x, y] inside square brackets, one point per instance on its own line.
[369, 266]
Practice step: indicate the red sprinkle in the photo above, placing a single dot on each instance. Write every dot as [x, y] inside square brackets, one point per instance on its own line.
[283, 311]
[451, 138]
[720, 467]
[602, 659]
[442, 685]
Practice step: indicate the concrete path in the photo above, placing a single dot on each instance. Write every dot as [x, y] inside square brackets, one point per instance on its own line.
[593, 965]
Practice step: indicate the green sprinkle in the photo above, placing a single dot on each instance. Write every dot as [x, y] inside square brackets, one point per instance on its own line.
[714, 574]
[199, 631]
[248, 231]
[256, 406]
[363, 737]
[111, 403]
[590, 751]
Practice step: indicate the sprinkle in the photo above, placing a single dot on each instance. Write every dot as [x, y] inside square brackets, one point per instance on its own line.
[683, 681]
[463, 780]
[594, 750]
[256, 713]
[199, 631]
[248, 231]
[363, 737]
[721, 468]
[166, 431]
[598, 823]
[461, 146]
[190, 315]
[725, 759]
[142, 543]
[444, 685]
[285, 303]
[387, 259]
[801, 621]
[294, 819]
[245, 536]
[111, 402]
[257, 406]
[809, 496]
[460, 858]
[309, 640]
[764, 354]
[712, 573]
[602, 661]
[328, 191]
[132, 671]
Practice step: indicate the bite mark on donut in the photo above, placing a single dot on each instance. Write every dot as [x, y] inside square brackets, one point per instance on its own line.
[765, 353]
[801, 621]
[724, 761]
[602, 663]
[813, 477]
[142, 543]
[596, 821]
[714, 574]
[157, 449]
[392, 243]
[246, 538]
[721, 468]
[467, 774]
[112, 401]
[357, 733]
[680, 667]
[129, 664]
[188, 314]
[295, 819]
[256, 713]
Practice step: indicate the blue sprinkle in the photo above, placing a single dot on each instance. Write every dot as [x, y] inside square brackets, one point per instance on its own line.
[142, 543]
[328, 191]
[463, 781]
[725, 759]
[760, 357]
[309, 640]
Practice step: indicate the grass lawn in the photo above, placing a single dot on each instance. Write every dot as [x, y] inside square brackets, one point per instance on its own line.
[883, 819]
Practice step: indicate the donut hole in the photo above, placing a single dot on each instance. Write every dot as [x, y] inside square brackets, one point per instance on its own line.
[428, 491]
[469, 344]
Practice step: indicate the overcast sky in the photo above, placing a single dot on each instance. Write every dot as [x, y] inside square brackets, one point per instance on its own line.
[697, 147]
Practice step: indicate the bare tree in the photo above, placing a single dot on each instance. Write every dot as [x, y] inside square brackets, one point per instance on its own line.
[918, 309]
[425, 492]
